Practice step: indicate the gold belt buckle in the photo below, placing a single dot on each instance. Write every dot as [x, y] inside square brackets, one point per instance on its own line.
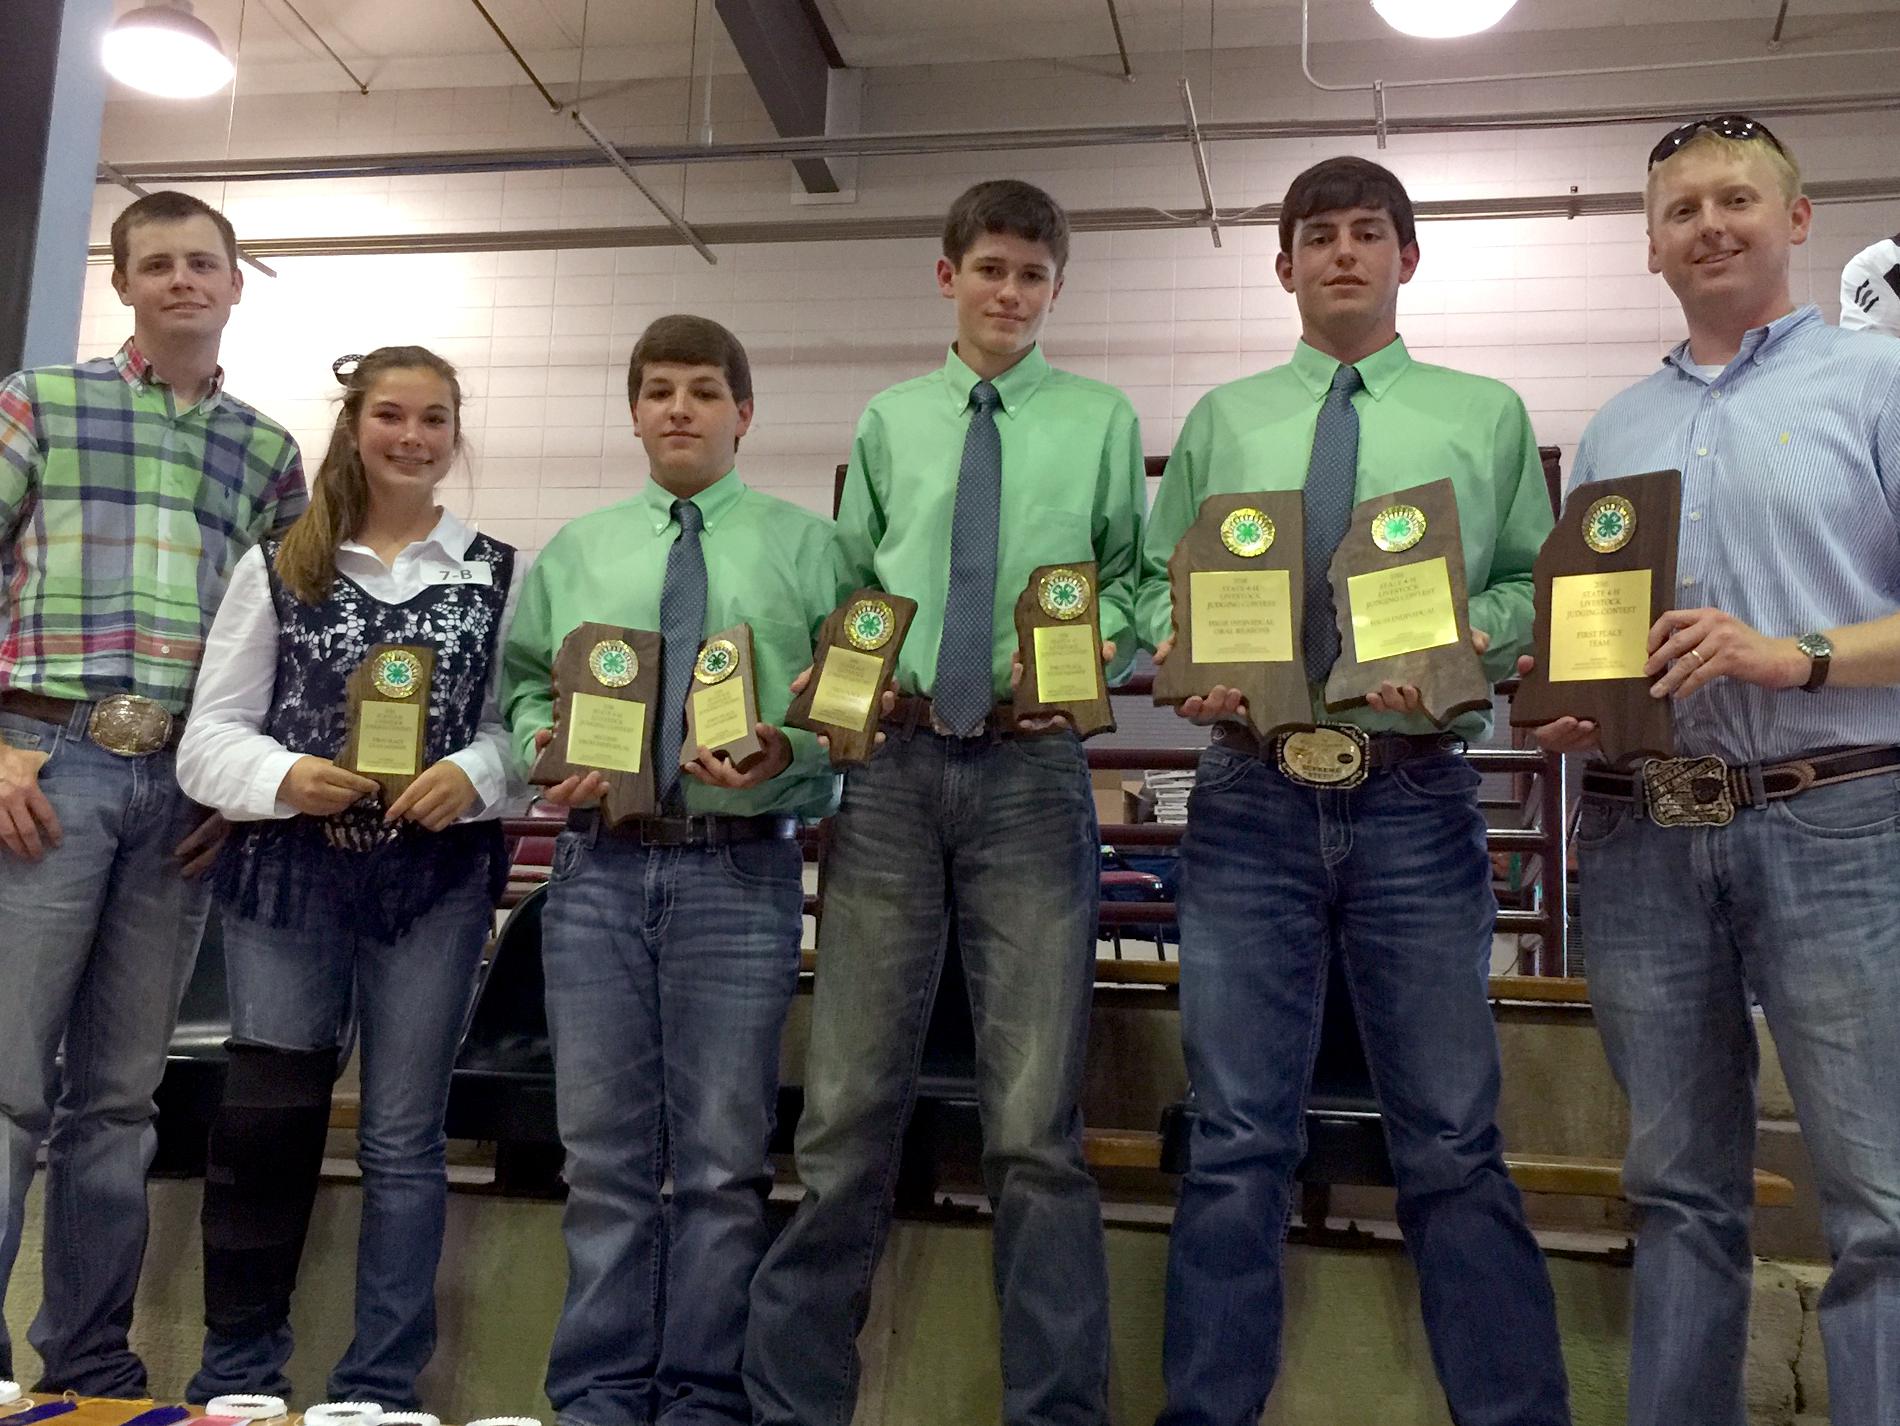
[129, 726]
[1688, 792]
[1331, 755]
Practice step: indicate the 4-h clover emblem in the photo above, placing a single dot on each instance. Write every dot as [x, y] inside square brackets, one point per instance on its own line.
[869, 624]
[1064, 594]
[613, 662]
[1398, 527]
[1609, 524]
[1247, 532]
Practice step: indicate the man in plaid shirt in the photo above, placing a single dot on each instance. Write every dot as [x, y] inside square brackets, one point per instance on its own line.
[128, 489]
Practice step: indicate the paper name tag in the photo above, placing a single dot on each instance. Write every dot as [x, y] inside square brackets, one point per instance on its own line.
[846, 686]
[1240, 616]
[1599, 625]
[474, 572]
[607, 733]
[1402, 610]
[719, 714]
[1068, 663]
[386, 738]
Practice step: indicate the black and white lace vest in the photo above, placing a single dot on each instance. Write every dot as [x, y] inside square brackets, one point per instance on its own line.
[270, 871]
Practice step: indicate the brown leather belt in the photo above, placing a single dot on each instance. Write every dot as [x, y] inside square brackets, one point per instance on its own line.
[914, 711]
[124, 723]
[1705, 792]
[1384, 751]
[703, 831]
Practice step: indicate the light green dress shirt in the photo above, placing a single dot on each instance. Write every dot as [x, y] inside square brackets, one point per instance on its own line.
[1417, 423]
[769, 564]
[1072, 490]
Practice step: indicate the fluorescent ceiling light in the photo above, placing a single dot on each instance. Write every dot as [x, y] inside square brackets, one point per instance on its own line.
[1441, 19]
[166, 50]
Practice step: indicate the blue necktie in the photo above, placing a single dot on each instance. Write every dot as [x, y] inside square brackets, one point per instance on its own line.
[1330, 477]
[965, 690]
[682, 626]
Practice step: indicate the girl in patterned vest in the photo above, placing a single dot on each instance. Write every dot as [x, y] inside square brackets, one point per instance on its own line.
[340, 907]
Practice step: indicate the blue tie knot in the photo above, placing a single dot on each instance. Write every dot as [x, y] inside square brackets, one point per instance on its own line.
[688, 516]
[985, 397]
[1347, 379]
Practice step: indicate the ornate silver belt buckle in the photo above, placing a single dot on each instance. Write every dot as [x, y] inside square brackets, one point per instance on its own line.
[1331, 755]
[1688, 792]
[129, 726]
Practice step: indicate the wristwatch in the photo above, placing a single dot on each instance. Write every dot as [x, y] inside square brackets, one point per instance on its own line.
[1820, 652]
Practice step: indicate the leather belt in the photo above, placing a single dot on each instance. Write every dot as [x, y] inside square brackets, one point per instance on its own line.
[126, 724]
[1705, 792]
[914, 711]
[1384, 751]
[709, 830]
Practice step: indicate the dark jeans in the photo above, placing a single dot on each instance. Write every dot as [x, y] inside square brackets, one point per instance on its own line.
[1395, 872]
[1001, 836]
[669, 974]
[1796, 903]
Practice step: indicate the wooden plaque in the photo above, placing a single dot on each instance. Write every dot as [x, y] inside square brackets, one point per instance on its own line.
[1242, 564]
[389, 716]
[1604, 577]
[722, 708]
[606, 697]
[1059, 640]
[1399, 591]
[851, 668]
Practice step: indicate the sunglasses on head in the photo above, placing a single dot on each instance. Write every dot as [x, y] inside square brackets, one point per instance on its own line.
[1727, 126]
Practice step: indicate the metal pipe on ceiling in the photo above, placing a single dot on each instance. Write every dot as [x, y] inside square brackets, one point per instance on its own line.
[1121, 45]
[1200, 161]
[399, 165]
[361, 87]
[1085, 220]
[612, 155]
[110, 174]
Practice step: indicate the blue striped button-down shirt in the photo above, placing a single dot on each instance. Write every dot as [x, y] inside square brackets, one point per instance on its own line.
[1790, 461]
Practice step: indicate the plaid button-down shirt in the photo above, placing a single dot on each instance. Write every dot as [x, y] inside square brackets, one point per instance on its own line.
[121, 518]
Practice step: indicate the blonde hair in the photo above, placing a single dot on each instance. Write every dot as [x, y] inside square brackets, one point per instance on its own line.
[1787, 172]
[339, 496]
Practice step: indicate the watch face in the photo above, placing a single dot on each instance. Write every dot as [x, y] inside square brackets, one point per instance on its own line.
[1815, 646]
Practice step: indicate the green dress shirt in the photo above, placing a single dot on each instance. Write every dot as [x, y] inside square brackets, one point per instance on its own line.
[1072, 490]
[1417, 423]
[769, 564]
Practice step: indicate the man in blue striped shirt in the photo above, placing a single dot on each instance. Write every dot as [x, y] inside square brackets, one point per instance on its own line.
[1782, 663]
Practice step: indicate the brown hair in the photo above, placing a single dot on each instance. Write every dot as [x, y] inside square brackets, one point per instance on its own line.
[1006, 205]
[690, 341]
[167, 206]
[339, 496]
[1346, 182]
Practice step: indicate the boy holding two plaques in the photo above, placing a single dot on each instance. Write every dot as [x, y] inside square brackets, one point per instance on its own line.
[1374, 851]
[670, 942]
[963, 483]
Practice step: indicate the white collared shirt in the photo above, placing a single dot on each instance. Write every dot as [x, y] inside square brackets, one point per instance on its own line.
[227, 761]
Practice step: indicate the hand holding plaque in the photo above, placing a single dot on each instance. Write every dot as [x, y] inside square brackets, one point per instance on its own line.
[722, 709]
[851, 668]
[389, 716]
[1237, 585]
[1399, 586]
[1060, 646]
[606, 682]
[1603, 578]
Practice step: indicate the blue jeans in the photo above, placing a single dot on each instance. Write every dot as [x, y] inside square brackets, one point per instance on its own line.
[1000, 836]
[97, 940]
[1395, 873]
[297, 988]
[669, 975]
[1798, 904]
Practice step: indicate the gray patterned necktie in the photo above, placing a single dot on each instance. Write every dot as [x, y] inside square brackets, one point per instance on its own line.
[1330, 477]
[965, 690]
[682, 626]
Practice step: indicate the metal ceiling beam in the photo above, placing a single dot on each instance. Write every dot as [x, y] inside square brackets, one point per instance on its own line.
[109, 174]
[361, 87]
[951, 142]
[1200, 161]
[785, 47]
[930, 225]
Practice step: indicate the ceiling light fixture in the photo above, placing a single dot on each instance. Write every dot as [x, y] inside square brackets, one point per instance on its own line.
[1442, 19]
[162, 48]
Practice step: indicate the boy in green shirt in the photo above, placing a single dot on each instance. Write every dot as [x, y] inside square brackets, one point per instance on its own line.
[670, 943]
[1280, 873]
[961, 483]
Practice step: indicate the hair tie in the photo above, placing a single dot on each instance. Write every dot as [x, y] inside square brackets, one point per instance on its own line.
[344, 367]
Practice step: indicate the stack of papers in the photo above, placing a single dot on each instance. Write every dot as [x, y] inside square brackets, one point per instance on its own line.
[1169, 793]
